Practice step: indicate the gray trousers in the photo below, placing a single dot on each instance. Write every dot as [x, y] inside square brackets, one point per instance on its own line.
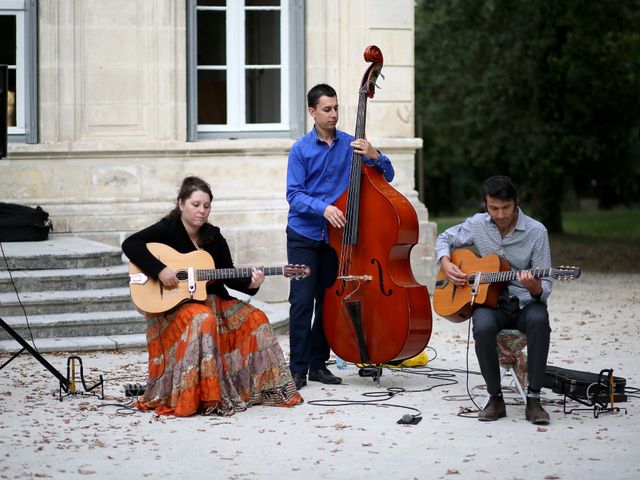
[533, 320]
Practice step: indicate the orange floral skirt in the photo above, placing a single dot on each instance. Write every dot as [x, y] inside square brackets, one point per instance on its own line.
[215, 360]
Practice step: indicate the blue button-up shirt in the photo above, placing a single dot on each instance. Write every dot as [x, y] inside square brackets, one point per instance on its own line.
[317, 174]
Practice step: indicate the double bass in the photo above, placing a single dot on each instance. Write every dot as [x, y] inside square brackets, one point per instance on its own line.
[375, 312]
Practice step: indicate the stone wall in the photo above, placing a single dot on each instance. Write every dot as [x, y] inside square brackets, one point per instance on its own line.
[112, 127]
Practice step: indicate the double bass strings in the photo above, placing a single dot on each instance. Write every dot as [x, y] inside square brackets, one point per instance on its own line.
[350, 233]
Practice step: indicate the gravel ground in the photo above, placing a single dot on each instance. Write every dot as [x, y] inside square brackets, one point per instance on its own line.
[350, 430]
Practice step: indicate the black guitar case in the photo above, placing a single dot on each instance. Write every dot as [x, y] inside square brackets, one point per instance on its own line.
[584, 385]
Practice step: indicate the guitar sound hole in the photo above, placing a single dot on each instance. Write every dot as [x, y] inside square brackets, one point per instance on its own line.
[182, 275]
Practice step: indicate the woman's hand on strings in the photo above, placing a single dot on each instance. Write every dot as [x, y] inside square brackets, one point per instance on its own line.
[168, 277]
[257, 277]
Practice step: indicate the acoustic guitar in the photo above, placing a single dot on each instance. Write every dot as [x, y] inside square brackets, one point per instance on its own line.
[194, 270]
[486, 277]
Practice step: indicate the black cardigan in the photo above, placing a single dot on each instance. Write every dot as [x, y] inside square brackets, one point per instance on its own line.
[171, 232]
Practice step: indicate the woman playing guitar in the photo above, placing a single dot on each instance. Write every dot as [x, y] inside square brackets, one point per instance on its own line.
[217, 356]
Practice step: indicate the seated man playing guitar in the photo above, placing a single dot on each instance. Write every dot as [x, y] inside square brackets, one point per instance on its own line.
[216, 356]
[523, 242]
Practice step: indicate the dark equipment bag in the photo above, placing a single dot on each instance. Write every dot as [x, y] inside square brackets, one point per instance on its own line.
[19, 223]
[584, 385]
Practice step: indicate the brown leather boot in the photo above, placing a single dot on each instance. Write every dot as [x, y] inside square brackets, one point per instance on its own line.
[494, 410]
[535, 413]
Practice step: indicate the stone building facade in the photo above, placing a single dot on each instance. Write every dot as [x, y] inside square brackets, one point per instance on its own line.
[113, 110]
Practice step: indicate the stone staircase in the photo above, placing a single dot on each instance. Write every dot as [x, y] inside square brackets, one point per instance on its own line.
[76, 297]
[74, 293]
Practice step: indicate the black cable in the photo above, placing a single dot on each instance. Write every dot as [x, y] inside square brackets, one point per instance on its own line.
[374, 402]
[15, 288]
[467, 376]
[442, 374]
[381, 398]
[122, 408]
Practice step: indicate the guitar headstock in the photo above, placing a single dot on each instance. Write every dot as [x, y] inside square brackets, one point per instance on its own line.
[565, 273]
[296, 272]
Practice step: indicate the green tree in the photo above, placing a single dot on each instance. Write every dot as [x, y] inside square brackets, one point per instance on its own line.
[544, 91]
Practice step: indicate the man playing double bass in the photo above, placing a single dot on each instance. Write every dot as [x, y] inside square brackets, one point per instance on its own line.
[505, 230]
[317, 174]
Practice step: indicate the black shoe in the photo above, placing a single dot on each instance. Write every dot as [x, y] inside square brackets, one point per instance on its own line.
[494, 410]
[300, 379]
[535, 413]
[324, 376]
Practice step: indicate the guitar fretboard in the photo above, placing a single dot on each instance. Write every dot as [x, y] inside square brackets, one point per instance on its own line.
[507, 276]
[227, 273]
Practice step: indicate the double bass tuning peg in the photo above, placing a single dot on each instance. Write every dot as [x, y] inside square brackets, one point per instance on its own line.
[375, 83]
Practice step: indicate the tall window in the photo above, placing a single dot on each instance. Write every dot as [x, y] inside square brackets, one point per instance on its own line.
[246, 67]
[18, 29]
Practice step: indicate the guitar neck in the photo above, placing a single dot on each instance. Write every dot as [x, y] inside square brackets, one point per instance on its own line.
[228, 273]
[507, 276]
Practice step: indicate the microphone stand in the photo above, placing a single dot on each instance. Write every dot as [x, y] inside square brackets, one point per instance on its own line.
[67, 384]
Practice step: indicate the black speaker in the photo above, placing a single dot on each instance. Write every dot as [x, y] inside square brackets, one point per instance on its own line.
[3, 109]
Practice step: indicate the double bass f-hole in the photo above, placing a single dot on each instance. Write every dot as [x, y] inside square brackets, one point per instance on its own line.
[375, 262]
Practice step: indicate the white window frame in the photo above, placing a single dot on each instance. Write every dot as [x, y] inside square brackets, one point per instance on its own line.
[25, 12]
[291, 121]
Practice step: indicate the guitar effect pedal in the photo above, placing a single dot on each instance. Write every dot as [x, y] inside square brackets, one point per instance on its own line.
[133, 389]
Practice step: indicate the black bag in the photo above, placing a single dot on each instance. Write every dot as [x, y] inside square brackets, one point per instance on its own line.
[19, 223]
[584, 385]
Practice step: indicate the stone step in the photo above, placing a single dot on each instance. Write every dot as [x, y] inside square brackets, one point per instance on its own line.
[64, 279]
[278, 314]
[78, 344]
[68, 301]
[59, 253]
[76, 324]
[75, 293]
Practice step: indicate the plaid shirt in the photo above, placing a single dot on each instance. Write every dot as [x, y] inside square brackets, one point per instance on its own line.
[525, 247]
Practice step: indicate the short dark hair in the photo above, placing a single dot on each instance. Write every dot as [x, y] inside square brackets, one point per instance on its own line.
[500, 187]
[320, 90]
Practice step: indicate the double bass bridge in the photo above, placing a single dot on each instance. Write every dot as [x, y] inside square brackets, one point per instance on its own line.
[352, 278]
[356, 278]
